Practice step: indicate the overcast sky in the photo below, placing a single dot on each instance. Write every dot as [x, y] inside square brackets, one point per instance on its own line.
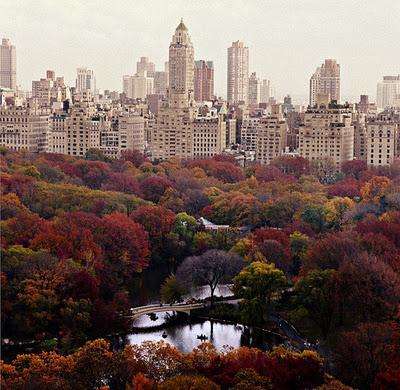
[287, 39]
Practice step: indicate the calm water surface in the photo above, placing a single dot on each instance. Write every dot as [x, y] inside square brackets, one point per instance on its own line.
[183, 336]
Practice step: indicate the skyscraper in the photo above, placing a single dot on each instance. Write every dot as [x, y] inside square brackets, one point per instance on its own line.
[203, 80]
[238, 72]
[254, 89]
[181, 68]
[85, 80]
[265, 91]
[388, 92]
[325, 81]
[8, 65]
[144, 65]
[172, 135]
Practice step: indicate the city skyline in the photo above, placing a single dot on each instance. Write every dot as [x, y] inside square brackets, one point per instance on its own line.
[112, 40]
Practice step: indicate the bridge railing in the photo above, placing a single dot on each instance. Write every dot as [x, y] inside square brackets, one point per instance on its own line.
[167, 307]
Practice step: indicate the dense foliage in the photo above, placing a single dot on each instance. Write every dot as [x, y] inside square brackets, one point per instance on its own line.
[158, 365]
[77, 232]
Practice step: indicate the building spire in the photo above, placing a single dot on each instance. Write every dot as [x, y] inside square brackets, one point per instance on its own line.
[181, 26]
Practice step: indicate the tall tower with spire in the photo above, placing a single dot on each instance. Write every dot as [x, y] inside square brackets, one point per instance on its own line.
[172, 136]
[181, 68]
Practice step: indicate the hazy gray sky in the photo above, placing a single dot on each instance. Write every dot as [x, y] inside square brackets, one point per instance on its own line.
[287, 39]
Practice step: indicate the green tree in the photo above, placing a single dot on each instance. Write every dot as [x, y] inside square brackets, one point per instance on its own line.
[299, 244]
[315, 216]
[312, 294]
[257, 284]
[170, 290]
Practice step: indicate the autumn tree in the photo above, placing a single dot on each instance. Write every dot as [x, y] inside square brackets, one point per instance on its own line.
[209, 269]
[331, 251]
[184, 382]
[136, 157]
[354, 168]
[154, 187]
[171, 291]
[257, 284]
[296, 166]
[366, 351]
[364, 290]
[125, 244]
[313, 296]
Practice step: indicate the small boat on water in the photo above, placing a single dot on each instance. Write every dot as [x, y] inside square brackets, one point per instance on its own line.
[164, 335]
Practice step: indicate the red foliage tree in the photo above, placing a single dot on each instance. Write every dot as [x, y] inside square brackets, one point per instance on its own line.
[331, 251]
[93, 173]
[125, 244]
[136, 157]
[348, 187]
[73, 235]
[265, 173]
[354, 168]
[153, 187]
[23, 228]
[227, 172]
[364, 289]
[366, 355]
[274, 245]
[391, 230]
[157, 220]
[123, 183]
[225, 158]
[295, 166]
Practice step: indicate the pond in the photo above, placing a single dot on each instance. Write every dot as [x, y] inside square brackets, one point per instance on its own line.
[184, 334]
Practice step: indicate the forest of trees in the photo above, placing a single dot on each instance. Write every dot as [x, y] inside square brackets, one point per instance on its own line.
[77, 233]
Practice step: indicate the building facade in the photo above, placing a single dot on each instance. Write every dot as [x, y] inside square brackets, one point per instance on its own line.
[238, 73]
[172, 135]
[8, 65]
[85, 80]
[209, 135]
[145, 68]
[327, 132]
[325, 81]
[254, 89]
[24, 128]
[203, 80]
[388, 92]
[271, 136]
[382, 136]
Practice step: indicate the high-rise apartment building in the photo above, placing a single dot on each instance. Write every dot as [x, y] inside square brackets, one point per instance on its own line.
[265, 91]
[360, 136]
[382, 136]
[254, 89]
[248, 133]
[138, 86]
[271, 136]
[160, 83]
[325, 81]
[8, 65]
[388, 92]
[85, 80]
[24, 128]
[172, 136]
[238, 73]
[58, 133]
[203, 80]
[327, 132]
[49, 90]
[82, 134]
[145, 68]
[209, 134]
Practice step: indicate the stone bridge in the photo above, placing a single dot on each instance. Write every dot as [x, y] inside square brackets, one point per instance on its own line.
[158, 307]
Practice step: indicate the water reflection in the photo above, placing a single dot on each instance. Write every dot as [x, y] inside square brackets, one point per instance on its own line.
[184, 336]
